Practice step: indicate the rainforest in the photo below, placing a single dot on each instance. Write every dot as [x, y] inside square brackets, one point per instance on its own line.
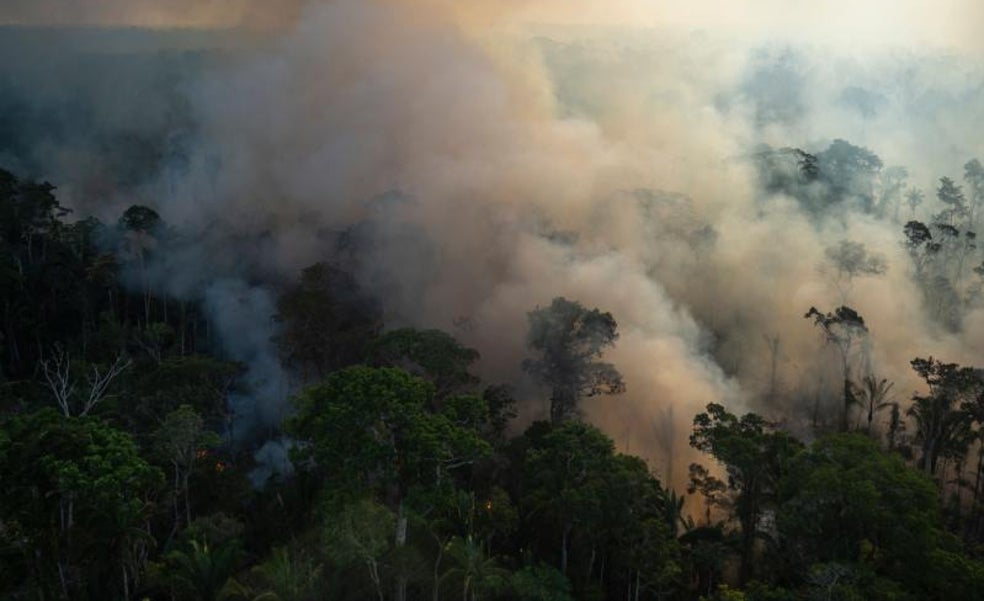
[532, 300]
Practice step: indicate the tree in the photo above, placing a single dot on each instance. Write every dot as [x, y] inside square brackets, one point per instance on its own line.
[431, 354]
[479, 574]
[327, 321]
[141, 227]
[78, 494]
[371, 430]
[913, 198]
[73, 395]
[849, 260]
[361, 531]
[921, 245]
[540, 583]
[181, 440]
[202, 571]
[849, 172]
[570, 339]
[566, 470]
[954, 201]
[846, 501]
[842, 328]
[974, 176]
[754, 456]
[873, 396]
[893, 181]
[287, 577]
[714, 491]
[941, 416]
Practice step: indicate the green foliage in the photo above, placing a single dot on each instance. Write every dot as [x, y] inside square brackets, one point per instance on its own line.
[755, 457]
[77, 493]
[407, 486]
[540, 583]
[944, 416]
[372, 428]
[584, 496]
[431, 354]
[198, 381]
[202, 572]
[327, 321]
[360, 532]
[287, 577]
[846, 501]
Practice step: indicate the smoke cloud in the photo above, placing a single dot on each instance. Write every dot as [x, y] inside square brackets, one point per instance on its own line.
[490, 158]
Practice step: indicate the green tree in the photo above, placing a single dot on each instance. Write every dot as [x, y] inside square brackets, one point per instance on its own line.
[431, 354]
[754, 456]
[361, 531]
[327, 321]
[478, 573]
[846, 501]
[181, 440]
[540, 583]
[941, 417]
[78, 494]
[372, 430]
[203, 572]
[566, 470]
[570, 339]
[287, 576]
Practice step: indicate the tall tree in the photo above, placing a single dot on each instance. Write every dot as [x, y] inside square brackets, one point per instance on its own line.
[431, 354]
[78, 494]
[181, 440]
[754, 456]
[941, 416]
[327, 321]
[844, 500]
[955, 210]
[844, 328]
[570, 340]
[372, 430]
[873, 396]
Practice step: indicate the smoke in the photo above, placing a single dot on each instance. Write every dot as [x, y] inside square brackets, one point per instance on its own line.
[490, 158]
[149, 13]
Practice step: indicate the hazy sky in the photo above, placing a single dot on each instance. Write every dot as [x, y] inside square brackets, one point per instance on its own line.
[937, 23]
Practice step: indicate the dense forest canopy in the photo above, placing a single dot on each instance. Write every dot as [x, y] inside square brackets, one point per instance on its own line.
[380, 299]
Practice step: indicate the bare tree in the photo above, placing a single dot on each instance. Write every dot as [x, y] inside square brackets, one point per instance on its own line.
[73, 397]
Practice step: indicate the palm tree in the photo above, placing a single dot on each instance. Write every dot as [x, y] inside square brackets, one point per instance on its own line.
[202, 573]
[287, 578]
[478, 573]
[873, 395]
